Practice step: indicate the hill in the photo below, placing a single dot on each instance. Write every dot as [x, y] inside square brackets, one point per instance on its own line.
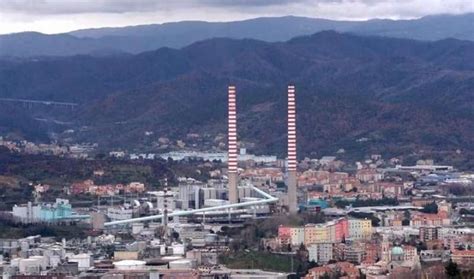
[136, 39]
[364, 94]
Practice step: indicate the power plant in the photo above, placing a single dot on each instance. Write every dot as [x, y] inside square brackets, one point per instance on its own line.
[233, 147]
[233, 177]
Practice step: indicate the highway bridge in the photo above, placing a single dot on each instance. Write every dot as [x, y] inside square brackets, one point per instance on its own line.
[27, 103]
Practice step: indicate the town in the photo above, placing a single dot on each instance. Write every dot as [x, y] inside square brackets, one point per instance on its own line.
[217, 139]
[375, 218]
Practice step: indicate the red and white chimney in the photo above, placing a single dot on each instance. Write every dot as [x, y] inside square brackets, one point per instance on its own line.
[232, 161]
[292, 160]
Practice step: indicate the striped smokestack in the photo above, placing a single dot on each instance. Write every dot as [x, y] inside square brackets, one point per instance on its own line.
[232, 146]
[292, 160]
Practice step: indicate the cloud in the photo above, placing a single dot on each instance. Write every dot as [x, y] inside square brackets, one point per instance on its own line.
[78, 6]
[53, 16]
[54, 7]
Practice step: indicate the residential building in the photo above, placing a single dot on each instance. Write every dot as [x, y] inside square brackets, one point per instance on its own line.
[464, 258]
[321, 253]
[360, 228]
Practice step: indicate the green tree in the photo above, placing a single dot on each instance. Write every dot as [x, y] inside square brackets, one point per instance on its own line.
[280, 184]
[430, 208]
[452, 270]
[312, 264]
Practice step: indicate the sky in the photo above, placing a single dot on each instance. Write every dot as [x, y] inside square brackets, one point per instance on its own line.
[57, 16]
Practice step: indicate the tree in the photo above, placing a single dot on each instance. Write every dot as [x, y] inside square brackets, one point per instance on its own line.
[280, 184]
[175, 235]
[407, 215]
[312, 264]
[421, 246]
[302, 253]
[225, 230]
[452, 270]
[430, 208]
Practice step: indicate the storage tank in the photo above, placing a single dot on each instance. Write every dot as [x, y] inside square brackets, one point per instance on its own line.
[178, 249]
[24, 246]
[84, 261]
[171, 258]
[43, 260]
[130, 265]
[183, 264]
[29, 266]
[162, 249]
[54, 260]
[154, 274]
[214, 202]
[15, 262]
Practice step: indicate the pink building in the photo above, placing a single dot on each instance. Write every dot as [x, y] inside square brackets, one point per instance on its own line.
[342, 229]
[284, 234]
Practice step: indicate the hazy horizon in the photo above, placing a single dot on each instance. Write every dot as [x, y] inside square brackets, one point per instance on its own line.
[54, 17]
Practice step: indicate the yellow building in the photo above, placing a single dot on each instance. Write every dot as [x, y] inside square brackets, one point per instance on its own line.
[360, 228]
[297, 236]
[316, 234]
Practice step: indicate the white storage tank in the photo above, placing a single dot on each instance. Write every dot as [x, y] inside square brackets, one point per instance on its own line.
[29, 266]
[171, 258]
[154, 274]
[15, 262]
[54, 260]
[84, 261]
[162, 249]
[130, 265]
[178, 249]
[24, 246]
[43, 260]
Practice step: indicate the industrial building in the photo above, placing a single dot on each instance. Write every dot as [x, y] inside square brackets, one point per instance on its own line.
[61, 210]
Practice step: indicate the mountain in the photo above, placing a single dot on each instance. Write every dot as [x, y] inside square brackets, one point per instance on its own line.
[360, 93]
[136, 39]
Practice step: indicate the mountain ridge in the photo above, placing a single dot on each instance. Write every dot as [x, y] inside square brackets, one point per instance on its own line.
[142, 38]
[401, 95]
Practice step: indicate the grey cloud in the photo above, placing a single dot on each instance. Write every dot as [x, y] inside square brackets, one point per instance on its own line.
[58, 7]
[122, 6]
[80, 6]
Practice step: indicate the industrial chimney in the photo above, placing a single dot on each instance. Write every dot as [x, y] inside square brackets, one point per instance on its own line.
[292, 160]
[232, 146]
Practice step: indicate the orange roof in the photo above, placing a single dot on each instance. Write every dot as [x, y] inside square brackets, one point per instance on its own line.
[463, 252]
[320, 269]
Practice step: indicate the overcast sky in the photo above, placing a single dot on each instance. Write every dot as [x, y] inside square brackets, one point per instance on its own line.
[56, 16]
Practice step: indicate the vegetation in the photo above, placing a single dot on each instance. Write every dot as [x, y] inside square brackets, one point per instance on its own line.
[19, 171]
[261, 260]
[13, 191]
[181, 92]
[368, 202]
[10, 229]
[452, 270]
[61, 171]
[464, 211]
[459, 189]
[430, 208]
[253, 231]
